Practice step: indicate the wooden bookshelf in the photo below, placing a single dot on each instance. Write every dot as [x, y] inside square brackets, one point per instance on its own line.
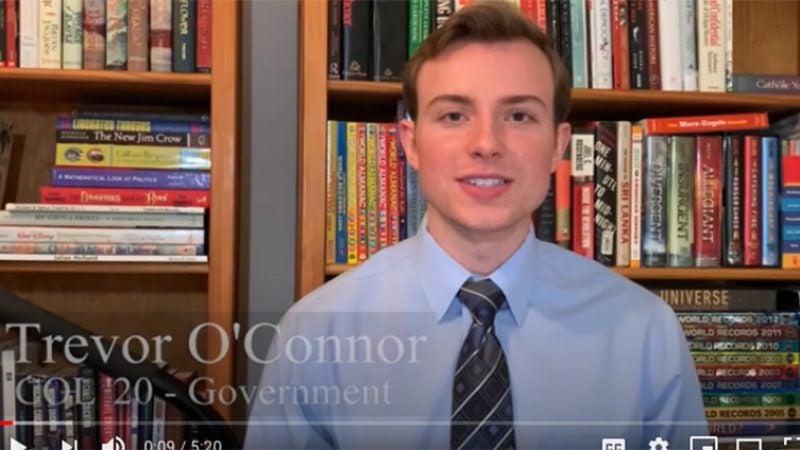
[766, 40]
[31, 99]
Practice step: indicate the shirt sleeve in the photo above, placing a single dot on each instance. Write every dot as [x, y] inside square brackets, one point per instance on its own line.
[278, 420]
[675, 405]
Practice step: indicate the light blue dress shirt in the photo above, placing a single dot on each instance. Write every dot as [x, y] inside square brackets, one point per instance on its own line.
[367, 360]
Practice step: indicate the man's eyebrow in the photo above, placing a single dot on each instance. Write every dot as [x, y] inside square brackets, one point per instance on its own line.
[452, 98]
[524, 98]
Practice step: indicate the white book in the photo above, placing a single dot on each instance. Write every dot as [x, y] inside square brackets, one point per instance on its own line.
[623, 212]
[711, 45]
[668, 52]
[72, 46]
[636, 195]
[601, 55]
[728, 45]
[44, 207]
[101, 235]
[84, 219]
[29, 34]
[104, 258]
[50, 34]
[688, 24]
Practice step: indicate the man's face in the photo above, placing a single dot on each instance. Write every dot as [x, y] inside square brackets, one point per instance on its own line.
[484, 141]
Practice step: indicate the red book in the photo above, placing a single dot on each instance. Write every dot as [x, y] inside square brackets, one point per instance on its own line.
[203, 46]
[752, 201]
[708, 202]
[705, 124]
[620, 44]
[122, 196]
[583, 219]
[11, 33]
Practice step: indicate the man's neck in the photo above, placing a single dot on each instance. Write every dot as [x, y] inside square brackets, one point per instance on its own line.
[480, 253]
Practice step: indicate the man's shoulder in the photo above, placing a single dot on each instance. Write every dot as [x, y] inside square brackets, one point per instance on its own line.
[363, 286]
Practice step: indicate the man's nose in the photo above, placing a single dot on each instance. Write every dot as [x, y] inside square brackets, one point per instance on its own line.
[487, 140]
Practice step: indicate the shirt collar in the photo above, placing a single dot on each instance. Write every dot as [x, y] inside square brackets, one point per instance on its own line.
[441, 276]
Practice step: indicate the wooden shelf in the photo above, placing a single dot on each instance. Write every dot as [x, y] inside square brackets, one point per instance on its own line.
[673, 273]
[133, 268]
[605, 103]
[104, 86]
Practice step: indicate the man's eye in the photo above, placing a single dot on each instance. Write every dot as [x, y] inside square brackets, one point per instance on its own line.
[453, 116]
[521, 116]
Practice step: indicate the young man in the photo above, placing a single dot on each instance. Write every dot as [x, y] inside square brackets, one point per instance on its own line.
[473, 333]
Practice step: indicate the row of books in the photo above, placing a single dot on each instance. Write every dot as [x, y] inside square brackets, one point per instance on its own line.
[137, 35]
[669, 45]
[52, 402]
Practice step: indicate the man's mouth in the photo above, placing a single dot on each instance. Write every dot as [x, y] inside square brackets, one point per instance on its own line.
[485, 181]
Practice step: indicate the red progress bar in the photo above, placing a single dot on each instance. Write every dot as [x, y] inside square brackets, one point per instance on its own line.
[6, 423]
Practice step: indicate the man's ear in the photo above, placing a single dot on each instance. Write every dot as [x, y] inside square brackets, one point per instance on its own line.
[563, 135]
[406, 131]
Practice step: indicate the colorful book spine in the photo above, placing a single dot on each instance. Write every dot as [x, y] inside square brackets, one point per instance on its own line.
[654, 208]
[138, 35]
[134, 138]
[106, 235]
[636, 196]
[708, 202]
[132, 156]
[341, 192]
[71, 248]
[582, 152]
[605, 193]
[73, 34]
[161, 35]
[136, 179]
[330, 193]
[734, 200]
[706, 124]
[143, 126]
[395, 194]
[752, 201]
[49, 29]
[116, 34]
[11, 33]
[204, 14]
[94, 34]
[383, 187]
[770, 253]
[113, 196]
[680, 205]
[372, 188]
[184, 35]
[352, 193]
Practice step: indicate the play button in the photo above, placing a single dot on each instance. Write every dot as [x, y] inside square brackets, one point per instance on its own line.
[16, 445]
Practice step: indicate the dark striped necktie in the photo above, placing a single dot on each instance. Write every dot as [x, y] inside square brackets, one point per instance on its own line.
[482, 415]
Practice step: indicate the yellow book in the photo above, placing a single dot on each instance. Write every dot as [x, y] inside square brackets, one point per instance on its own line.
[352, 189]
[132, 156]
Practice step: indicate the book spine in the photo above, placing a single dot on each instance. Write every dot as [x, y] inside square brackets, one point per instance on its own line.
[389, 31]
[602, 73]
[138, 35]
[708, 202]
[711, 45]
[100, 220]
[621, 37]
[372, 188]
[330, 193]
[769, 202]
[394, 184]
[706, 124]
[121, 178]
[12, 33]
[29, 34]
[414, 25]
[142, 126]
[652, 39]
[3, 56]
[654, 181]
[623, 213]
[203, 44]
[446, 8]
[767, 84]
[50, 34]
[638, 44]
[636, 196]
[356, 39]
[341, 192]
[361, 191]
[582, 159]
[184, 35]
[552, 27]
[111, 196]
[565, 33]
[161, 35]
[105, 235]
[73, 34]
[116, 34]
[605, 193]
[335, 39]
[383, 187]
[688, 47]
[133, 138]
[734, 244]
[352, 192]
[94, 34]
[728, 300]
[680, 195]
[563, 195]
[132, 156]
[728, 31]
[100, 248]
[580, 73]
[669, 53]
[752, 201]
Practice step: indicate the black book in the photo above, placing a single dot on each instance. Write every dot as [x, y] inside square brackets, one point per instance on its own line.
[390, 33]
[335, 39]
[356, 39]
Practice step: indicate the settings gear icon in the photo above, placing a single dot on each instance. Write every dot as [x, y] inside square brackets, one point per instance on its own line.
[659, 444]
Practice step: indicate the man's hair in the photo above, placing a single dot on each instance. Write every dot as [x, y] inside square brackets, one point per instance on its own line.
[488, 21]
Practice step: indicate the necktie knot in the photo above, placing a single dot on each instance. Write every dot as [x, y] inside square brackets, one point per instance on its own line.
[483, 298]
